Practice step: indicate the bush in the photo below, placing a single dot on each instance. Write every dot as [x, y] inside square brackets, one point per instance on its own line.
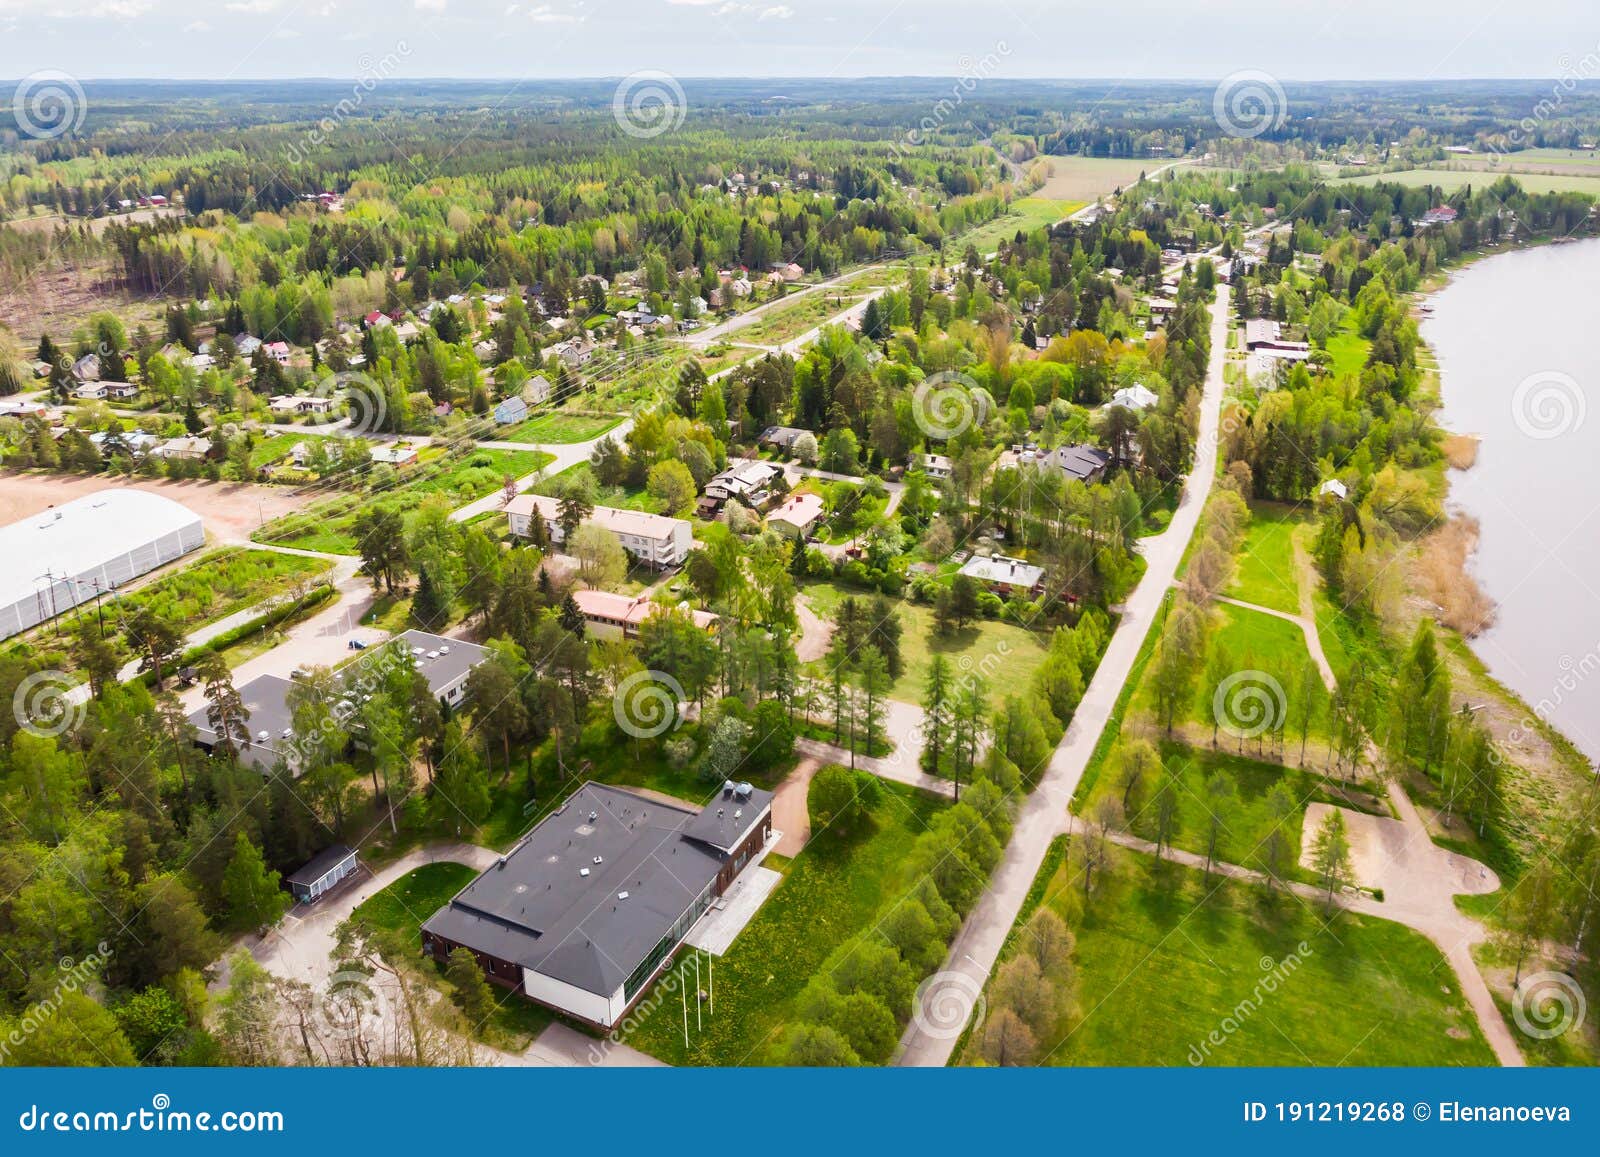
[832, 799]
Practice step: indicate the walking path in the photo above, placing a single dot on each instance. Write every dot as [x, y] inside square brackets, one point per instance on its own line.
[1308, 627]
[977, 945]
[565, 455]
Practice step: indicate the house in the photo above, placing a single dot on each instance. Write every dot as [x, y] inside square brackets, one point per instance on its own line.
[536, 390]
[123, 390]
[746, 480]
[187, 449]
[933, 465]
[395, 454]
[11, 408]
[798, 515]
[92, 391]
[781, 437]
[613, 616]
[1259, 331]
[87, 368]
[246, 344]
[202, 362]
[1005, 576]
[135, 444]
[1082, 462]
[1134, 397]
[1334, 487]
[590, 906]
[511, 411]
[443, 663]
[1440, 215]
[405, 331]
[375, 320]
[322, 872]
[278, 351]
[652, 539]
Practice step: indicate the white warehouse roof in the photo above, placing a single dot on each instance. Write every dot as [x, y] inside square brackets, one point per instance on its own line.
[90, 544]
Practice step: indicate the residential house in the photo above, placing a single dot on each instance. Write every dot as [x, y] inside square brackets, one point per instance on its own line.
[394, 454]
[613, 616]
[510, 411]
[1082, 462]
[1005, 576]
[87, 368]
[781, 438]
[1134, 397]
[933, 465]
[652, 539]
[186, 449]
[747, 480]
[798, 515]
[322, 872]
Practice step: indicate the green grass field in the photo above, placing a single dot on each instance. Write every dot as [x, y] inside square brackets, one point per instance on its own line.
[556, 428]
[829, 894]
[1004, 654]
[1349, 352]
[1027, 214]
[786, 322]
[1165, 958]
[1264, 571]
[404, 905]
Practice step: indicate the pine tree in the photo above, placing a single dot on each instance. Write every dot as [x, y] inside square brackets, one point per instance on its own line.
[251, 889]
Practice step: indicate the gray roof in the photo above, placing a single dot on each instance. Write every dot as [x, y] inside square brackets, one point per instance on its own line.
[725, 821]
[1082, 462]
[266, 704]
[444, 661]
[320, 865]
[538, 909]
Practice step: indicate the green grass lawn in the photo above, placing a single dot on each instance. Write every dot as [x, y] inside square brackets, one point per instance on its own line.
[830, 893]
[784, 323]
[557, 428]
[1004, 654]
[1264, 571]
[1449, 180]
[1247, 820]
[1027, 214]
[1348, 350]
[1164, 957]
[613, 496]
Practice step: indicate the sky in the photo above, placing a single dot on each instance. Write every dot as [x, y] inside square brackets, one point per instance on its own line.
[1188, 39]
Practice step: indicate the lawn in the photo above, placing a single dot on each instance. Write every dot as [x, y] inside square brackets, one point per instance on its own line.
[1449, 180]
[830, 893]
[1247, 820]
[1264, 570]
[613, 496]
[402, 908]
[787, 322]
[558, 428]
[1027, 214]
[1003, 653]
[1165, 958]
[1348, 350]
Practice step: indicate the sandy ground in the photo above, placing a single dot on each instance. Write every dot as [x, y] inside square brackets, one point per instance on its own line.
[789, 813]
[1386, 853]
[231, 511]
[815, 632]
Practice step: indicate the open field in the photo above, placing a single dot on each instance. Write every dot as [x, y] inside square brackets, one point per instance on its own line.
[229, 510]
[1026, 214]
[1164, 955]
[556, 427]
[787, 322]
[1264, 571]
[829, 893]
[1005, 654]
[1083, 179]
[1450, 180]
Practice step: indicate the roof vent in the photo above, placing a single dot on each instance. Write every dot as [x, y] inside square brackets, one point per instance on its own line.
[599, 859]
[744, 790]
[263, 736]
[622, 895]
[593, 816]
[444, 650]
[583, 871]
[738, 814]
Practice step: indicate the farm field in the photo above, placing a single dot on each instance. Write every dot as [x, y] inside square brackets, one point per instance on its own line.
[1083, 179]
[1451, 180]
[1026, 214]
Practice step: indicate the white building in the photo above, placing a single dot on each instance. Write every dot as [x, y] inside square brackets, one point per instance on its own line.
[52, 562]
[653, 539]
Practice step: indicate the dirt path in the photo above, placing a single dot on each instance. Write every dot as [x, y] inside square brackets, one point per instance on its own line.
[1308, 627]
[815, 632]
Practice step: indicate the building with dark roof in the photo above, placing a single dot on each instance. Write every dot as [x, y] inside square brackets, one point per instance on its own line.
[322, 872]
[589, 906]
[1082, 462]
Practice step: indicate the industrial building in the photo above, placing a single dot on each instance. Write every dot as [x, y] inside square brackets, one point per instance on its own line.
[73, 553]
[590, 906]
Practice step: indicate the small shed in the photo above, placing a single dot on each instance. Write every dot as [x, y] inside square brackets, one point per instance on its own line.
[322, 872]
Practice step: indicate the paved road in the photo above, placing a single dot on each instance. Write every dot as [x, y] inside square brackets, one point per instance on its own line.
[977, 945]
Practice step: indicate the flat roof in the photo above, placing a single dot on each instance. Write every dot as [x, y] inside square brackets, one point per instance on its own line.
[1000, 569]
[266, 705]
[596, 886]
[84, 535]
[320, 865]
[638, 523]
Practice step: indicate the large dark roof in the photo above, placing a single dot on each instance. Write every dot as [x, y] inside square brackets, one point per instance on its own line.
[1081, 461]
[726, 820]
[266, 704]
[320, 865]
[537, 908]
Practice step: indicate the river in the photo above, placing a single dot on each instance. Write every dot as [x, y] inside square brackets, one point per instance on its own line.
[1515, 335]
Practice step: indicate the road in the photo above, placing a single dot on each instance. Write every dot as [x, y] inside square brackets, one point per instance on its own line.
[977, 945]
[566, 454]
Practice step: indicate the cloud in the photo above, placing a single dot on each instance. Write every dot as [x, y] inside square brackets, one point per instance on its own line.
[545, 14]
[777, 12]
[256, 7]
[197, 26]
[431, 5]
